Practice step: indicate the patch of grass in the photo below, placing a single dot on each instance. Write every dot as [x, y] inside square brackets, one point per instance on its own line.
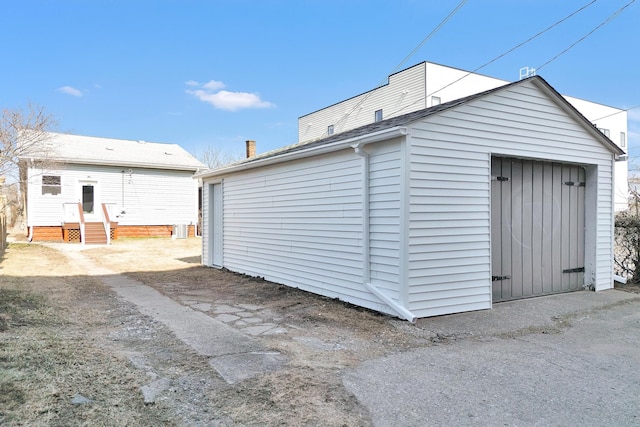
[18, 308]
[50, 350]
[11, 396]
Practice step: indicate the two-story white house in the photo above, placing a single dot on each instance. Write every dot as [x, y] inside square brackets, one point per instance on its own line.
[428, 84]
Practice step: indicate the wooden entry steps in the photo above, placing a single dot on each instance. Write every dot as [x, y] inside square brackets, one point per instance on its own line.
[94, 233]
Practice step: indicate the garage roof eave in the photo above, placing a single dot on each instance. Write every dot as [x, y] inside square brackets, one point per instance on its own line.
[572, 111]
[302, 153]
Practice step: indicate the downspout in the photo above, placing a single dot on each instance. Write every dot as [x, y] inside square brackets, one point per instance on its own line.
[24, 200]
[366, 266]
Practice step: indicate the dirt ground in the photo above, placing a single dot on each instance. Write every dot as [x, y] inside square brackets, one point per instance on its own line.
[65, 336]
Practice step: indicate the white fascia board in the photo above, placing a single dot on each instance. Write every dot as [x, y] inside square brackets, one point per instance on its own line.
[313, 151]
[118, 164]
[573, 112]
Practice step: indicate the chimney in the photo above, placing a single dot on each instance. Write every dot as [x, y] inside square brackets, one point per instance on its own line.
[251, 148]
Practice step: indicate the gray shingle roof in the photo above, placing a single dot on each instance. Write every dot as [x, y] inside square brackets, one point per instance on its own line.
[405, 119]
[70, 148]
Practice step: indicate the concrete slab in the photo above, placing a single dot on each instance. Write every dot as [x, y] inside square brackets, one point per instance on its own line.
[259, 329]
[201, 306]
[237, 367]
[522, 315]
[584, 374]
[227, 318]
[151, 391]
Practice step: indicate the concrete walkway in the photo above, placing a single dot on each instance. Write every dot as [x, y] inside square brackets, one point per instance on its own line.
[234, 355]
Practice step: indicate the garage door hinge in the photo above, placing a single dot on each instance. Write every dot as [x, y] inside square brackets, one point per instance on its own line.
[577, 184]
[496, 278]
[502, 178]
[574, 270]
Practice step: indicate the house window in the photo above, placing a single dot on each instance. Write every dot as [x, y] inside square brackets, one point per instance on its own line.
[378, 116]
[435, 100]
[605, 132]
[330, 130]
[51, 184]
[623, 140]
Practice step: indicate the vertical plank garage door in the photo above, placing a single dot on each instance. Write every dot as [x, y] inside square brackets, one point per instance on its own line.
[537, 228]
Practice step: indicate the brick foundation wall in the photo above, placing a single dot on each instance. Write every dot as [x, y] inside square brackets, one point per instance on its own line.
[56, 234]
[47, 234]
[150, 230]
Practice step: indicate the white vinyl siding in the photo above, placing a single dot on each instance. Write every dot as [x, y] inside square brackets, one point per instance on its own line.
[450, 218]
[404, 93]
[147, 196]
[300, 223]
[384, 217]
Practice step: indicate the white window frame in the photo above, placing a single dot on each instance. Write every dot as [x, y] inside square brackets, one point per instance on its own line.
[53, 189]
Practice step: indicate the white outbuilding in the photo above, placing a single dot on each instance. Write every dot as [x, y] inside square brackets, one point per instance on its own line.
[501, 195]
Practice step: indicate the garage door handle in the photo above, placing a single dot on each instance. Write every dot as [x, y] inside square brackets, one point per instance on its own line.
[496, 278]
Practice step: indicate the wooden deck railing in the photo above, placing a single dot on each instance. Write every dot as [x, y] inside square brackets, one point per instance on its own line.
[106, 221]
[81, 216]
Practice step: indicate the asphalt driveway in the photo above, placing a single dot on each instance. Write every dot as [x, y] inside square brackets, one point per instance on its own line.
[566, 360]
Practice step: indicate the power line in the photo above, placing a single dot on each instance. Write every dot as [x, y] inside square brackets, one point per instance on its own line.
[427, 38]
[617, 112]
[503, 54]
[606, 21]
[431, 34]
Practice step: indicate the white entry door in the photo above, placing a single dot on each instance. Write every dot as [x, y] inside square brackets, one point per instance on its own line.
[89, 199]
[215, 224]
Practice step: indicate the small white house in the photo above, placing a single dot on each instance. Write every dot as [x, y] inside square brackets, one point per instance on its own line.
[90, 190]
[500, 195]
[427, 84]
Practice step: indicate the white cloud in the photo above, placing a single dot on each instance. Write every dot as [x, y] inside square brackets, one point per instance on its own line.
[192, 83]
[225, 100]
[68, 90]
[213, 85]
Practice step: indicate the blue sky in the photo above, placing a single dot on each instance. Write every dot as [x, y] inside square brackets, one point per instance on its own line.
[215, 73]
